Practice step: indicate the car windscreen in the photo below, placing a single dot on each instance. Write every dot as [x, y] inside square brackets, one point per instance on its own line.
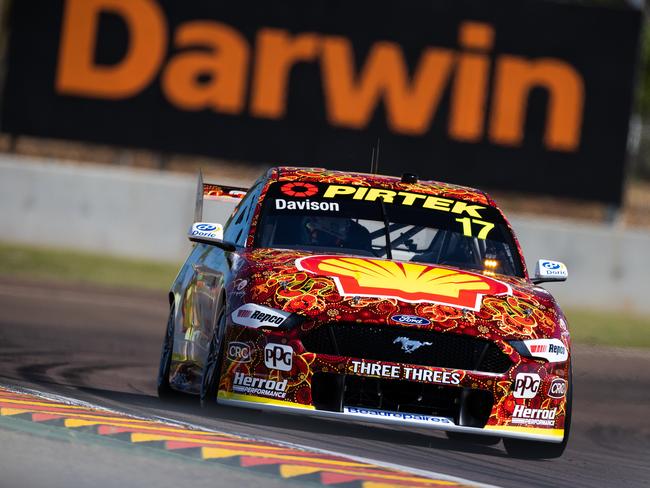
[323, 217]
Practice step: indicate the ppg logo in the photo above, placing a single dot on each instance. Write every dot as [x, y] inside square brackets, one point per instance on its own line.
[526, 385]
[239, 352]
[550, 265]
[278, 356]
[206, 227]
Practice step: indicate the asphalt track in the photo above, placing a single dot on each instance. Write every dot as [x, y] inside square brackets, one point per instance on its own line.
[102, 346]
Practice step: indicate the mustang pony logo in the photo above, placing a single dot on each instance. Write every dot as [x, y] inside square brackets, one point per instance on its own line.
[408, 346]
[409, 282]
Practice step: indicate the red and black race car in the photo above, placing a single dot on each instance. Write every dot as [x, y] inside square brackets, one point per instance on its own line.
[371, 298]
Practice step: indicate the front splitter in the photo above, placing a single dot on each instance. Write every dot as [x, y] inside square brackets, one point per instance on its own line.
[391, 418]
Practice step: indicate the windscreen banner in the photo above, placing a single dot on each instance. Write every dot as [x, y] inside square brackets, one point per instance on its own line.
[517, 95]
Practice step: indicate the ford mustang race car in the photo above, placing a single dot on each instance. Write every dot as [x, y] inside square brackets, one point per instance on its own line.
[372, 298]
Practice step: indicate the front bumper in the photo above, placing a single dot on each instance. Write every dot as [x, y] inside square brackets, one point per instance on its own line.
[445, 399]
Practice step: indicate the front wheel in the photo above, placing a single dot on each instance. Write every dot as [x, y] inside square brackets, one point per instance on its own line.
[543, 450]
[212, 366]
[165, 391]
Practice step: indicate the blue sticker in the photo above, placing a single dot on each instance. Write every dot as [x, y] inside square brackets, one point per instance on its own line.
[410, 319]
[550, 265]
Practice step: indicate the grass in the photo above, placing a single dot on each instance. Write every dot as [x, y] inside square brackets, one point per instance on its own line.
[587, 326]
[609, 328]
[81, 267]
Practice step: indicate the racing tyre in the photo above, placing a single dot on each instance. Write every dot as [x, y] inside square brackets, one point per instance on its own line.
[543, 450]
[483, 440]
[165, 391]
[212, 365]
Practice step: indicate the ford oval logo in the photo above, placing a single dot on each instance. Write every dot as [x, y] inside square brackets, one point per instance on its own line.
[410, 319]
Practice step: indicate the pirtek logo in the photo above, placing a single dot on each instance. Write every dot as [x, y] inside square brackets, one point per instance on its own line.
[351, 93]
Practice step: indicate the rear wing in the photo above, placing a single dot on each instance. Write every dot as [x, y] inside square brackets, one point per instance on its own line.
[215, 192]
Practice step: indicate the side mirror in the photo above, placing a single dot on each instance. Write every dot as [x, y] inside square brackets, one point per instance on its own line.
[546, 270]
[211, 234]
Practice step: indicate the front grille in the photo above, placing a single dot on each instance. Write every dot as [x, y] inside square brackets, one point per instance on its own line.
[385, 343]
[465, 406]
[402, 396]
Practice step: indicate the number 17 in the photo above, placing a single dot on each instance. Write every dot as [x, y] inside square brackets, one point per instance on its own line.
[467, 227]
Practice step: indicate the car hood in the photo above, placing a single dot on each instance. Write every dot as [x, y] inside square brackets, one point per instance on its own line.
[358, 289]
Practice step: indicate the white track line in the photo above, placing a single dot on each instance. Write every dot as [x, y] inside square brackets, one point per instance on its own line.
[175, 423]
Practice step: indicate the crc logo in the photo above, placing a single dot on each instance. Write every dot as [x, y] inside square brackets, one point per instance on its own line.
[278, 356]
[551, 265]
[300, 190]
[410, 320]
[557, 388]
[239, 352]
[526, 385]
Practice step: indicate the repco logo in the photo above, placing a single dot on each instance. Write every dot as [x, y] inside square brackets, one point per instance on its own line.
[211, 63]
[267, 317]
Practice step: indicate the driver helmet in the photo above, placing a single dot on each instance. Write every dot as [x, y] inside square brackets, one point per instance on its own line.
[327, 231]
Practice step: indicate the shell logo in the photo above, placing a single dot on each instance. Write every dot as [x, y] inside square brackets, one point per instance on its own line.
[409, 282]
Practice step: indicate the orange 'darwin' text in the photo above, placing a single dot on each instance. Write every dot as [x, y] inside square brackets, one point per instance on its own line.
[352, 88]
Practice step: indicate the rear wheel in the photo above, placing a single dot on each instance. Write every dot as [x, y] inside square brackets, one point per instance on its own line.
[165, 391]
[212, 366]
[543, 450]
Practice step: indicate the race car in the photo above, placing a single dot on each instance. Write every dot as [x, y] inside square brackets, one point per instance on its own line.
[371, 298]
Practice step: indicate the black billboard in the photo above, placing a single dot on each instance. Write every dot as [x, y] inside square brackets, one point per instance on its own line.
[517, 95]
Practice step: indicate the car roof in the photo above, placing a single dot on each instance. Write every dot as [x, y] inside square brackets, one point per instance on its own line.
[425, 187]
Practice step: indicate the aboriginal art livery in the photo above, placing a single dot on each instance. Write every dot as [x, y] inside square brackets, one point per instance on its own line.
[385, 299]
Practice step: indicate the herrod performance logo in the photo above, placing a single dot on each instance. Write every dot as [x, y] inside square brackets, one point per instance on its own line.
[253, 385]
[251, 73]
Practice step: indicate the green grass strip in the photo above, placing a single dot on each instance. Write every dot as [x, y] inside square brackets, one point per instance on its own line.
[587, 326]
[608, 328]
[82, 267]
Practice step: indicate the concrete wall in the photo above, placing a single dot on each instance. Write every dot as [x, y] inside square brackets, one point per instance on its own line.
[146, 214]
[609, 267]
[113, 210]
